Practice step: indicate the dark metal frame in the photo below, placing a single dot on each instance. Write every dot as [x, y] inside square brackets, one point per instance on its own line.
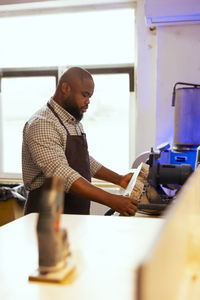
[28, 72]
[115, 70]
[54, 71]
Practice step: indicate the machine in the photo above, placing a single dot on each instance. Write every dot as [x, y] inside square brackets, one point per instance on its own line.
[163, 183]
[170, 167]
[186, 103]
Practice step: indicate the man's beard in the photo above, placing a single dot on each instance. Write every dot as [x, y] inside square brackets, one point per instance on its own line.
[73, 110]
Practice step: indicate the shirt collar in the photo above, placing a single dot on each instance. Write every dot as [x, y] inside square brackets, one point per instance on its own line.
[63, 114]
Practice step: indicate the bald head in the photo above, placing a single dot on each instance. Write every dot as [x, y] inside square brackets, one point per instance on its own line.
[74, 75]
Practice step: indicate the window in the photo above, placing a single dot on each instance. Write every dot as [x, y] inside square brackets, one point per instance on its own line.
[96, 40]
[81, 38]
[21, 96]
[106, 125]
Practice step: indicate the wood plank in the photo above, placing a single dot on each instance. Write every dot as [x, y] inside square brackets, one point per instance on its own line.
[171, 270]
[136, 184]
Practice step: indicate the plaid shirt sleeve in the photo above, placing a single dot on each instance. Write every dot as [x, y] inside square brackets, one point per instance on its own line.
[94, 166]
[44, 145]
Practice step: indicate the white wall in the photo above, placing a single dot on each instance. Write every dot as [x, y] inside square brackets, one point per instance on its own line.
[178, 59]
[165, 55]
[145, 83]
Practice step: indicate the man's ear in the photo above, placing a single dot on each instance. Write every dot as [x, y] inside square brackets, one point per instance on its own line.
[65, 88]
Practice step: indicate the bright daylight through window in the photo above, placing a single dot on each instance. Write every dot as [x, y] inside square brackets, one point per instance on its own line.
[94, 38]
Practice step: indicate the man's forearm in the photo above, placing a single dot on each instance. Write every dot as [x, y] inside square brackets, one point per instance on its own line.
[108, 175]
[85, 189]
[124, 205]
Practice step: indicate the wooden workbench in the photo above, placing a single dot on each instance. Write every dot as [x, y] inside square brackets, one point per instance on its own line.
[106, 251]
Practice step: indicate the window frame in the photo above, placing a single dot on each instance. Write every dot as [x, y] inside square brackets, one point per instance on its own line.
[28, 7]
[55, 71]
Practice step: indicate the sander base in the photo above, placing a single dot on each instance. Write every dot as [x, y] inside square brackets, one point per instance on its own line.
[57, 276]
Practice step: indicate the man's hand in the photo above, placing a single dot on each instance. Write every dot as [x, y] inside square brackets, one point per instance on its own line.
[108, 175]
[124, 181]
[124, 205]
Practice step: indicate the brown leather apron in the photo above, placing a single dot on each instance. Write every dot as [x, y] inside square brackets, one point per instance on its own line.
[78, 158]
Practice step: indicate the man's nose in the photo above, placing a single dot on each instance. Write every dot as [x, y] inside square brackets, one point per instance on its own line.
[87, 100]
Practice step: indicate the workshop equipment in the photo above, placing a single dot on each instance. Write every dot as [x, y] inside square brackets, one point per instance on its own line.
[161, 186]
[163, 183]
[155, 185]
[186, 103]
[170, 168]
[55, 262]
[186, 136]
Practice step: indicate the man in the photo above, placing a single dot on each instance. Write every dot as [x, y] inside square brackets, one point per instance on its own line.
[54, 144]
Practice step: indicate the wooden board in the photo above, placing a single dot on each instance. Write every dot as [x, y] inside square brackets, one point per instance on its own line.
[136, 184]
[171, 270]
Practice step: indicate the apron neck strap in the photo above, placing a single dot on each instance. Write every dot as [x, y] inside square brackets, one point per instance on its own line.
[57, 116]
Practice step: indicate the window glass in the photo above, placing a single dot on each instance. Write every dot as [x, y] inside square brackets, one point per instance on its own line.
[81, 38]
[21, 97]
[106, 122]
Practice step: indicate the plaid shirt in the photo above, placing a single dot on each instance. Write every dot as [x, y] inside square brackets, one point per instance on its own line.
[44, 144]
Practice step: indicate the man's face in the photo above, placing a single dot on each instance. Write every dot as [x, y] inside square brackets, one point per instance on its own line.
[78, 100]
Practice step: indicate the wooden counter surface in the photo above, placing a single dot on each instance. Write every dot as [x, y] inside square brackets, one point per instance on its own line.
[106, 251]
